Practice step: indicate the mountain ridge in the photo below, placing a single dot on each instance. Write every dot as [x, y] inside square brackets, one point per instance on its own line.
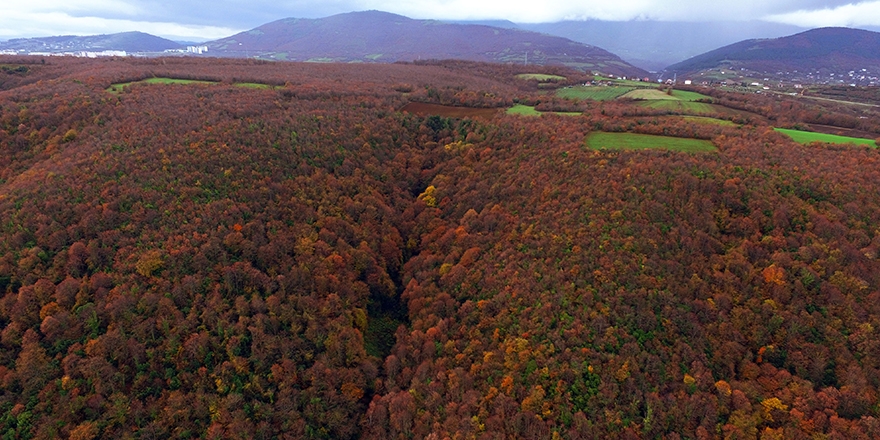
[133, 41]
[824, 51]
[653, 45]
[375, 36]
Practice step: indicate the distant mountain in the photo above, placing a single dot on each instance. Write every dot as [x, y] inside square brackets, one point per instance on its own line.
[126, 41]
[653, 45]
[506, 24]
[375, 36]
[817, 52]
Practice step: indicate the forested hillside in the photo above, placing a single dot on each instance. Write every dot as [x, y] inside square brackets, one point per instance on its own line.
[282, 252]
[375, 36]
[817, 50]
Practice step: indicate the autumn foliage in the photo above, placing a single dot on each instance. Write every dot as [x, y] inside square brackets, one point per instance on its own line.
[308, 261]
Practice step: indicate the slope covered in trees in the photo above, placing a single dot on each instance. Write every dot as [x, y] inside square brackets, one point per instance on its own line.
[308, 261]
[375, 36]
[823, 49]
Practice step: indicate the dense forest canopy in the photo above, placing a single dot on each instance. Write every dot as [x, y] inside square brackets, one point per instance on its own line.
[306, 260]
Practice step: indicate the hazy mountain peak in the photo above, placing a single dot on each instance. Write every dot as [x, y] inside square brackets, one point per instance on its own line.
[132, 41]
[817, 52]
[375, 36]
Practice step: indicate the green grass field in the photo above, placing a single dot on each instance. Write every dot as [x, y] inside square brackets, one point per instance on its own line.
[805, 137]
[116, 88]
[254, 85]
[657, 94]
[699, 108]
[523, 110]
[631, 90]
[648, 94]
[633, 141]
[625, 82]
[541, 77]
[596, 93]
[684, 95]
[176, 81]
[705, 120]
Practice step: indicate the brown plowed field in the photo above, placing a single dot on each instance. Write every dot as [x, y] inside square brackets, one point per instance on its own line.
[423, 109]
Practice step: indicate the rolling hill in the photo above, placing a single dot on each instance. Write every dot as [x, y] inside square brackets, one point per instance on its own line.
[127, 41]
[823, 51]
[374, 36]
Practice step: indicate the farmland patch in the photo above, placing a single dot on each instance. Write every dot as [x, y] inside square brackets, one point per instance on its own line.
[806, 137]
[541, 77]
[118, 87]
[596, 93]
[634, 141]
[649, 94]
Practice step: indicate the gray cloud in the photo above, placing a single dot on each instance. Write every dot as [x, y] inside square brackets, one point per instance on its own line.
[860, 14]
[208, 18]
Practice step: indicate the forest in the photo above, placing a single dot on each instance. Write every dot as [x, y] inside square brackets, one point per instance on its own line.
[309, 260]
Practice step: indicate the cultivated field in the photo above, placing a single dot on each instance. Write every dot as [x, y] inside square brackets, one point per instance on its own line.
[706, 120]
[526, 110]
[254, 85]
[805, 137]
[541, 77]
[628, 90]
[523, 110]
[657, 94]
[116, 88]
[685, 95]
[677, 106]
[633, 141]
[648, 94]
[596, 93]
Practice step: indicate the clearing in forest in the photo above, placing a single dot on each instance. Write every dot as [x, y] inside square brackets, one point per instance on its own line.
[635, 141]
[541, 77]
[254, 85]
[680, 106]
[116, 88]
[685, 95]
[648, 94]
[527, 110]
[806, 137]
[523, 110]
[662, 95]
[596, 93]
[706, 120]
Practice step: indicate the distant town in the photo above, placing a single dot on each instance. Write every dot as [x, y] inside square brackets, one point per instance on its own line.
[786, 79]
[60, 52]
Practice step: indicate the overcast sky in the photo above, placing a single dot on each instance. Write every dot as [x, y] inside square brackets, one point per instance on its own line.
[212, 19]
